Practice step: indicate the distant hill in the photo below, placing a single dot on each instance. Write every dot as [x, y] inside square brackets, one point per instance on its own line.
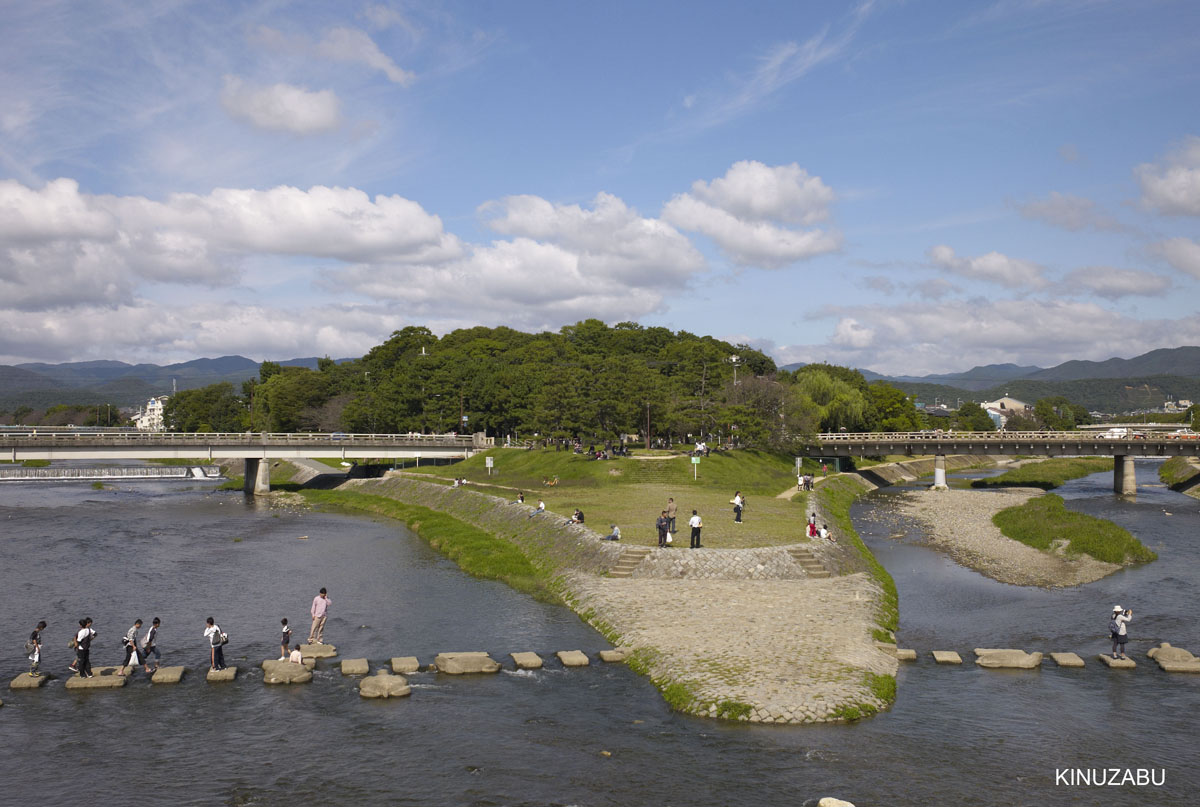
[1177, 361]
[40, 385]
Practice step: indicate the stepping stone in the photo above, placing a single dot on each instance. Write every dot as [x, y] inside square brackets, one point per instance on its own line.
[1117, 663]
[405, 664]
[318, 650]
[887, 647]
[309, 663]
[946, 657]
[905, 654]
[355, 666]
[1174, 659]
[572, 658]
[27, 681]
[465, 663]
[384, 685]
[284, 672]
[1007, 659]
[617, 654]
[527, 661]
[167, 675]
[102, 678]
[1066, 659]
[216, 676]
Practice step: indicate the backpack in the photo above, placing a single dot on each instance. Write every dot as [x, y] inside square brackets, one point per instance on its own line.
[1114, 626]
[224, 638]
[29, 647]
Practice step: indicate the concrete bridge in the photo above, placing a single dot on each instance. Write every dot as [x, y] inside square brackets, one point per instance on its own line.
[1047, 444]
[252, 447]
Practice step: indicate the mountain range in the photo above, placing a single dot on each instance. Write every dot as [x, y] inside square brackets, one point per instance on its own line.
[89, 382]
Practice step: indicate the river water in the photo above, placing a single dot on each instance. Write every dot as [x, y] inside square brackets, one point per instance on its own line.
[183, 551]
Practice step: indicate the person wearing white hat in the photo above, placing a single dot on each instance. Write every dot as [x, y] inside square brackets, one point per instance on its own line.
[1116, 626]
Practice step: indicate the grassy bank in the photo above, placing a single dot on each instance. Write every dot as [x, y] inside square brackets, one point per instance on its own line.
[1047, 475]
[1177, 471]
[1042, 521]
[477, 552]
[757, 473]
[835, 497]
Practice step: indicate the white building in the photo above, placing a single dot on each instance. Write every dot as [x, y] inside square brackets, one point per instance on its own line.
[1007, 406]
[150, 418]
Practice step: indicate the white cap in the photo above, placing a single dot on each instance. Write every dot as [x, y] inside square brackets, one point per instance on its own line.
[1117, 608]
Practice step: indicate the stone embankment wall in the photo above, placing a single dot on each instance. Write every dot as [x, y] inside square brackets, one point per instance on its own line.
[897, 472]
[768, 563]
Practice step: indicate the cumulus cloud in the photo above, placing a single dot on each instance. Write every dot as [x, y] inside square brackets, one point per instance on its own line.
[151, 331]
[1069, 212]
[1183, 254]
[746, 213]
[992, 267]
[1173, 186]
[61, 247]
[281, 107]
[562, 262]
[920, 338]
[1113, 284]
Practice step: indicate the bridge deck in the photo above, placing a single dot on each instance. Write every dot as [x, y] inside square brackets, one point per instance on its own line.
[1054, 444]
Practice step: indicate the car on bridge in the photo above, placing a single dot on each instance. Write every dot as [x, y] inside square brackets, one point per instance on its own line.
[1183, 434]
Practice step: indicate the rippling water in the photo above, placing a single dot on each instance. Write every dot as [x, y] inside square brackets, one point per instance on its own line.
[956, 735]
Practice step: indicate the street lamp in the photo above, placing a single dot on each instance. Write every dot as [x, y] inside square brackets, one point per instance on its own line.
[735, 360]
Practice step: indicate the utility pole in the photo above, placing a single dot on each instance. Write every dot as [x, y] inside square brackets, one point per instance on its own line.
[647, 425]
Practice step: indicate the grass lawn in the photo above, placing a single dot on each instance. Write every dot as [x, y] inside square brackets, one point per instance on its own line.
[1049, 474]
[1041, 521]
[631, 492]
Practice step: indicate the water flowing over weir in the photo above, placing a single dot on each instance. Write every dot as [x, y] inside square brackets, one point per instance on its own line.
[22, 474]
[183, 551]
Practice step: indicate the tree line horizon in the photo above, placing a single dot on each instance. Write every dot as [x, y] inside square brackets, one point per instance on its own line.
[589, 381]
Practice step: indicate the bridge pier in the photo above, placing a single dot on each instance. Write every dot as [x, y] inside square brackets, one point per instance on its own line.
[939, 472]
[257, 476]
[1124, 481]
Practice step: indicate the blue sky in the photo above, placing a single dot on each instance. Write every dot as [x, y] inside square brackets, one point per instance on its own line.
[907, 187]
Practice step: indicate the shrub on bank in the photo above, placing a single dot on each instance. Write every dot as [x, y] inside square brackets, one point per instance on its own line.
[1042, 521]
[1049, 474]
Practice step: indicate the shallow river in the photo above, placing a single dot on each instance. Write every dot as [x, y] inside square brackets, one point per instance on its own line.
[183, 551]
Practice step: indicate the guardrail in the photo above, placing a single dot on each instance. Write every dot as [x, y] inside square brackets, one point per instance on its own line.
[997, 437]
[33, 437]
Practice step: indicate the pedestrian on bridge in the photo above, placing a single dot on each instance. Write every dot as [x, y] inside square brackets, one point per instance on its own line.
[320, 607]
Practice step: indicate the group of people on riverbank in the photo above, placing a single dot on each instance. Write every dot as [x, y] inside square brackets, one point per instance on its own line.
[140, 649]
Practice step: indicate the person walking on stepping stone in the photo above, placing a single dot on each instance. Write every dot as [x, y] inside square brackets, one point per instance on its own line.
[216, 641]
[83, 648]
[150, 645]
[34, 648]
[285, 640]
[320, 607]
[132, 649]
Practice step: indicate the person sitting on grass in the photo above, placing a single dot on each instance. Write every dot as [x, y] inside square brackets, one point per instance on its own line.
[541, 508]
[615, 535]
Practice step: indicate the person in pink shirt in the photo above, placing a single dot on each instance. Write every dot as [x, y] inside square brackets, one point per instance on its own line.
[320, 607]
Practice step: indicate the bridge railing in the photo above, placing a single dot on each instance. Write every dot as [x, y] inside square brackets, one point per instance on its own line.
[118, 439]
[996, 436]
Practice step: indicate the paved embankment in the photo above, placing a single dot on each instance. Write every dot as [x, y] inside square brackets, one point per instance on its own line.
[959, 522]
[745, 634]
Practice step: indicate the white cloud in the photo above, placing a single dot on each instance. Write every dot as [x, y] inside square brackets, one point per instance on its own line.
[1113, 284]
[382, 17]
[143, 330]
[564, 262]
[281, 107]
[993, 267]
[1069, 212]
[61, 247]
[1173, 187]
[351, 45]
[921, 338]
[1069, 152]
[745, 211]
[1183, 254]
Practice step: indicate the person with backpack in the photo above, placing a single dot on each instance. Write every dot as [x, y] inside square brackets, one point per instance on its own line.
[216, 644]
[83, 648]
[33, 649]
[1120, 634]
[150, 646]
[132, 648]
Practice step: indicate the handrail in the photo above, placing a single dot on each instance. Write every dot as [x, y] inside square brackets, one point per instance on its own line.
[231, 438]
